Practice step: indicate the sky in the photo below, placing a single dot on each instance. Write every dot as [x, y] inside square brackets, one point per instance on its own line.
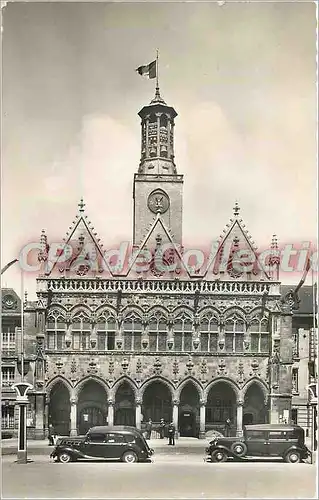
[241, 76]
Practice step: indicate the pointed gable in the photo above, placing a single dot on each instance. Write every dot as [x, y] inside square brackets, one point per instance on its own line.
[81, 251]
[157, 255]
[228, 263]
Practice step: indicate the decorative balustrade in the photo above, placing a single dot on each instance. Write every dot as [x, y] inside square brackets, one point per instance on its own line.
[156, 286]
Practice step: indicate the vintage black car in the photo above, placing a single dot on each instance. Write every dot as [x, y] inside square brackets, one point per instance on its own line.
[262, 440]
[104, 443]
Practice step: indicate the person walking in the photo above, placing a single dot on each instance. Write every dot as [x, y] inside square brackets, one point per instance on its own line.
[171, 434]
[149, 427]
[162, 428]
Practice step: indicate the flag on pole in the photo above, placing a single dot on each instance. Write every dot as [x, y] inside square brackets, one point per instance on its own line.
[149, 70]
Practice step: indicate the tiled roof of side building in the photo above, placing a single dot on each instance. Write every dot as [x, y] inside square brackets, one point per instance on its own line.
[306, 298]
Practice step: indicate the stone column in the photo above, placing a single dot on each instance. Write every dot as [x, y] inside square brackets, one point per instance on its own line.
[138, 413]
[39, 432]
[239, 429]
[202, 419]
[73, 416]
[110, 412]
[158, 148]
[46, 417]
[175, 416]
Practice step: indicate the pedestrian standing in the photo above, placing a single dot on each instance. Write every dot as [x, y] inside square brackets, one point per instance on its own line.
[51, 435]
[149, 427]
[162, 428]
[227, 427]
[171, 434]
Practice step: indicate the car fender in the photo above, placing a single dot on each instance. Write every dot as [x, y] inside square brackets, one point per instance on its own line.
[74, 453]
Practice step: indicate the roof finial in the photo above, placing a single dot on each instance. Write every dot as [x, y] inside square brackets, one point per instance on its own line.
[236, 209]
[81, 205]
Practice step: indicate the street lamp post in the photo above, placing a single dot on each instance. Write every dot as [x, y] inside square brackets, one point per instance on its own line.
[22, 399]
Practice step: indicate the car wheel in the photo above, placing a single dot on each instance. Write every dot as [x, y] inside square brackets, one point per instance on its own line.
[65, 458]
[129, 457]
[239, 448]
[219, 456]
[293, 457]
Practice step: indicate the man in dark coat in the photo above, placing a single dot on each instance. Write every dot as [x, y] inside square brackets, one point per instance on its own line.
[149, 426]
[51, 435]
[227, 427]
[171, 434]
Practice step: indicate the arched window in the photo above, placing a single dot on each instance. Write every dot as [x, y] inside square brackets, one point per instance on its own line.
[259, 335]
[183, 332]
[105, 331]
[234, 334]
[55, 331]
[132, 331]
[81, 332]
[208, 333]
[157, 333]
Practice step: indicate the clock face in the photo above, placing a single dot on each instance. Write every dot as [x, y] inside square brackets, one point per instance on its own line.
[9, 302]
[158, 202]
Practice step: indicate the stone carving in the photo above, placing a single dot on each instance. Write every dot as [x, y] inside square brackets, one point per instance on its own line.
[111, 367]
[221, 367]
[189, 366]
[255, 367]
[139, 366]
[157, 367]
[203, 371]
[241, 373]
[92, 367]
[59, 364]
[175, 370]
[125, 364]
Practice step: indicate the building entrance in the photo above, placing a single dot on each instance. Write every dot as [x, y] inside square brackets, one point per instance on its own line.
[187, 424]
[90, 417]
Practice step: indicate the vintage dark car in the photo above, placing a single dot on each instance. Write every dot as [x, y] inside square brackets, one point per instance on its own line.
[104, 443]
[262, 440]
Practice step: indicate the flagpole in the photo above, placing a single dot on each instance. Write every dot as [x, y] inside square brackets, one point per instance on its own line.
[157, 85]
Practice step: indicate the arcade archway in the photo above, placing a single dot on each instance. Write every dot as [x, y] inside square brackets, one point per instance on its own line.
[92, 406]
[157, 402]
[221, 405]
[59, 409]
[254, 411]
[189, 411]
[124, 405]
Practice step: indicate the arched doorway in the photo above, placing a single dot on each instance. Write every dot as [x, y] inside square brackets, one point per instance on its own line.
[124, 405]
[255, 411]
[157, 402]
[221, 405]
[59, 409]
[92, 406]
[188, 420]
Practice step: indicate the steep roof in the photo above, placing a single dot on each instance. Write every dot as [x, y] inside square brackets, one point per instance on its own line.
[235, 237]
[156, 232]
[86, 248]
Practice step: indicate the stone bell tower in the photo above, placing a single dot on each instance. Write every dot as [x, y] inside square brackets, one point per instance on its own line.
[157, 186]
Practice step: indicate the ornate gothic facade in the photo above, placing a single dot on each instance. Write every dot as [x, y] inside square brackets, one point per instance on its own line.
[121, 343]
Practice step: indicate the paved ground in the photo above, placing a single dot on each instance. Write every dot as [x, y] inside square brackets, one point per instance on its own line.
[171, 475]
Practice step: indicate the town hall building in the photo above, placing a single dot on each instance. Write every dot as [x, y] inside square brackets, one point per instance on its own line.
[155, 335]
